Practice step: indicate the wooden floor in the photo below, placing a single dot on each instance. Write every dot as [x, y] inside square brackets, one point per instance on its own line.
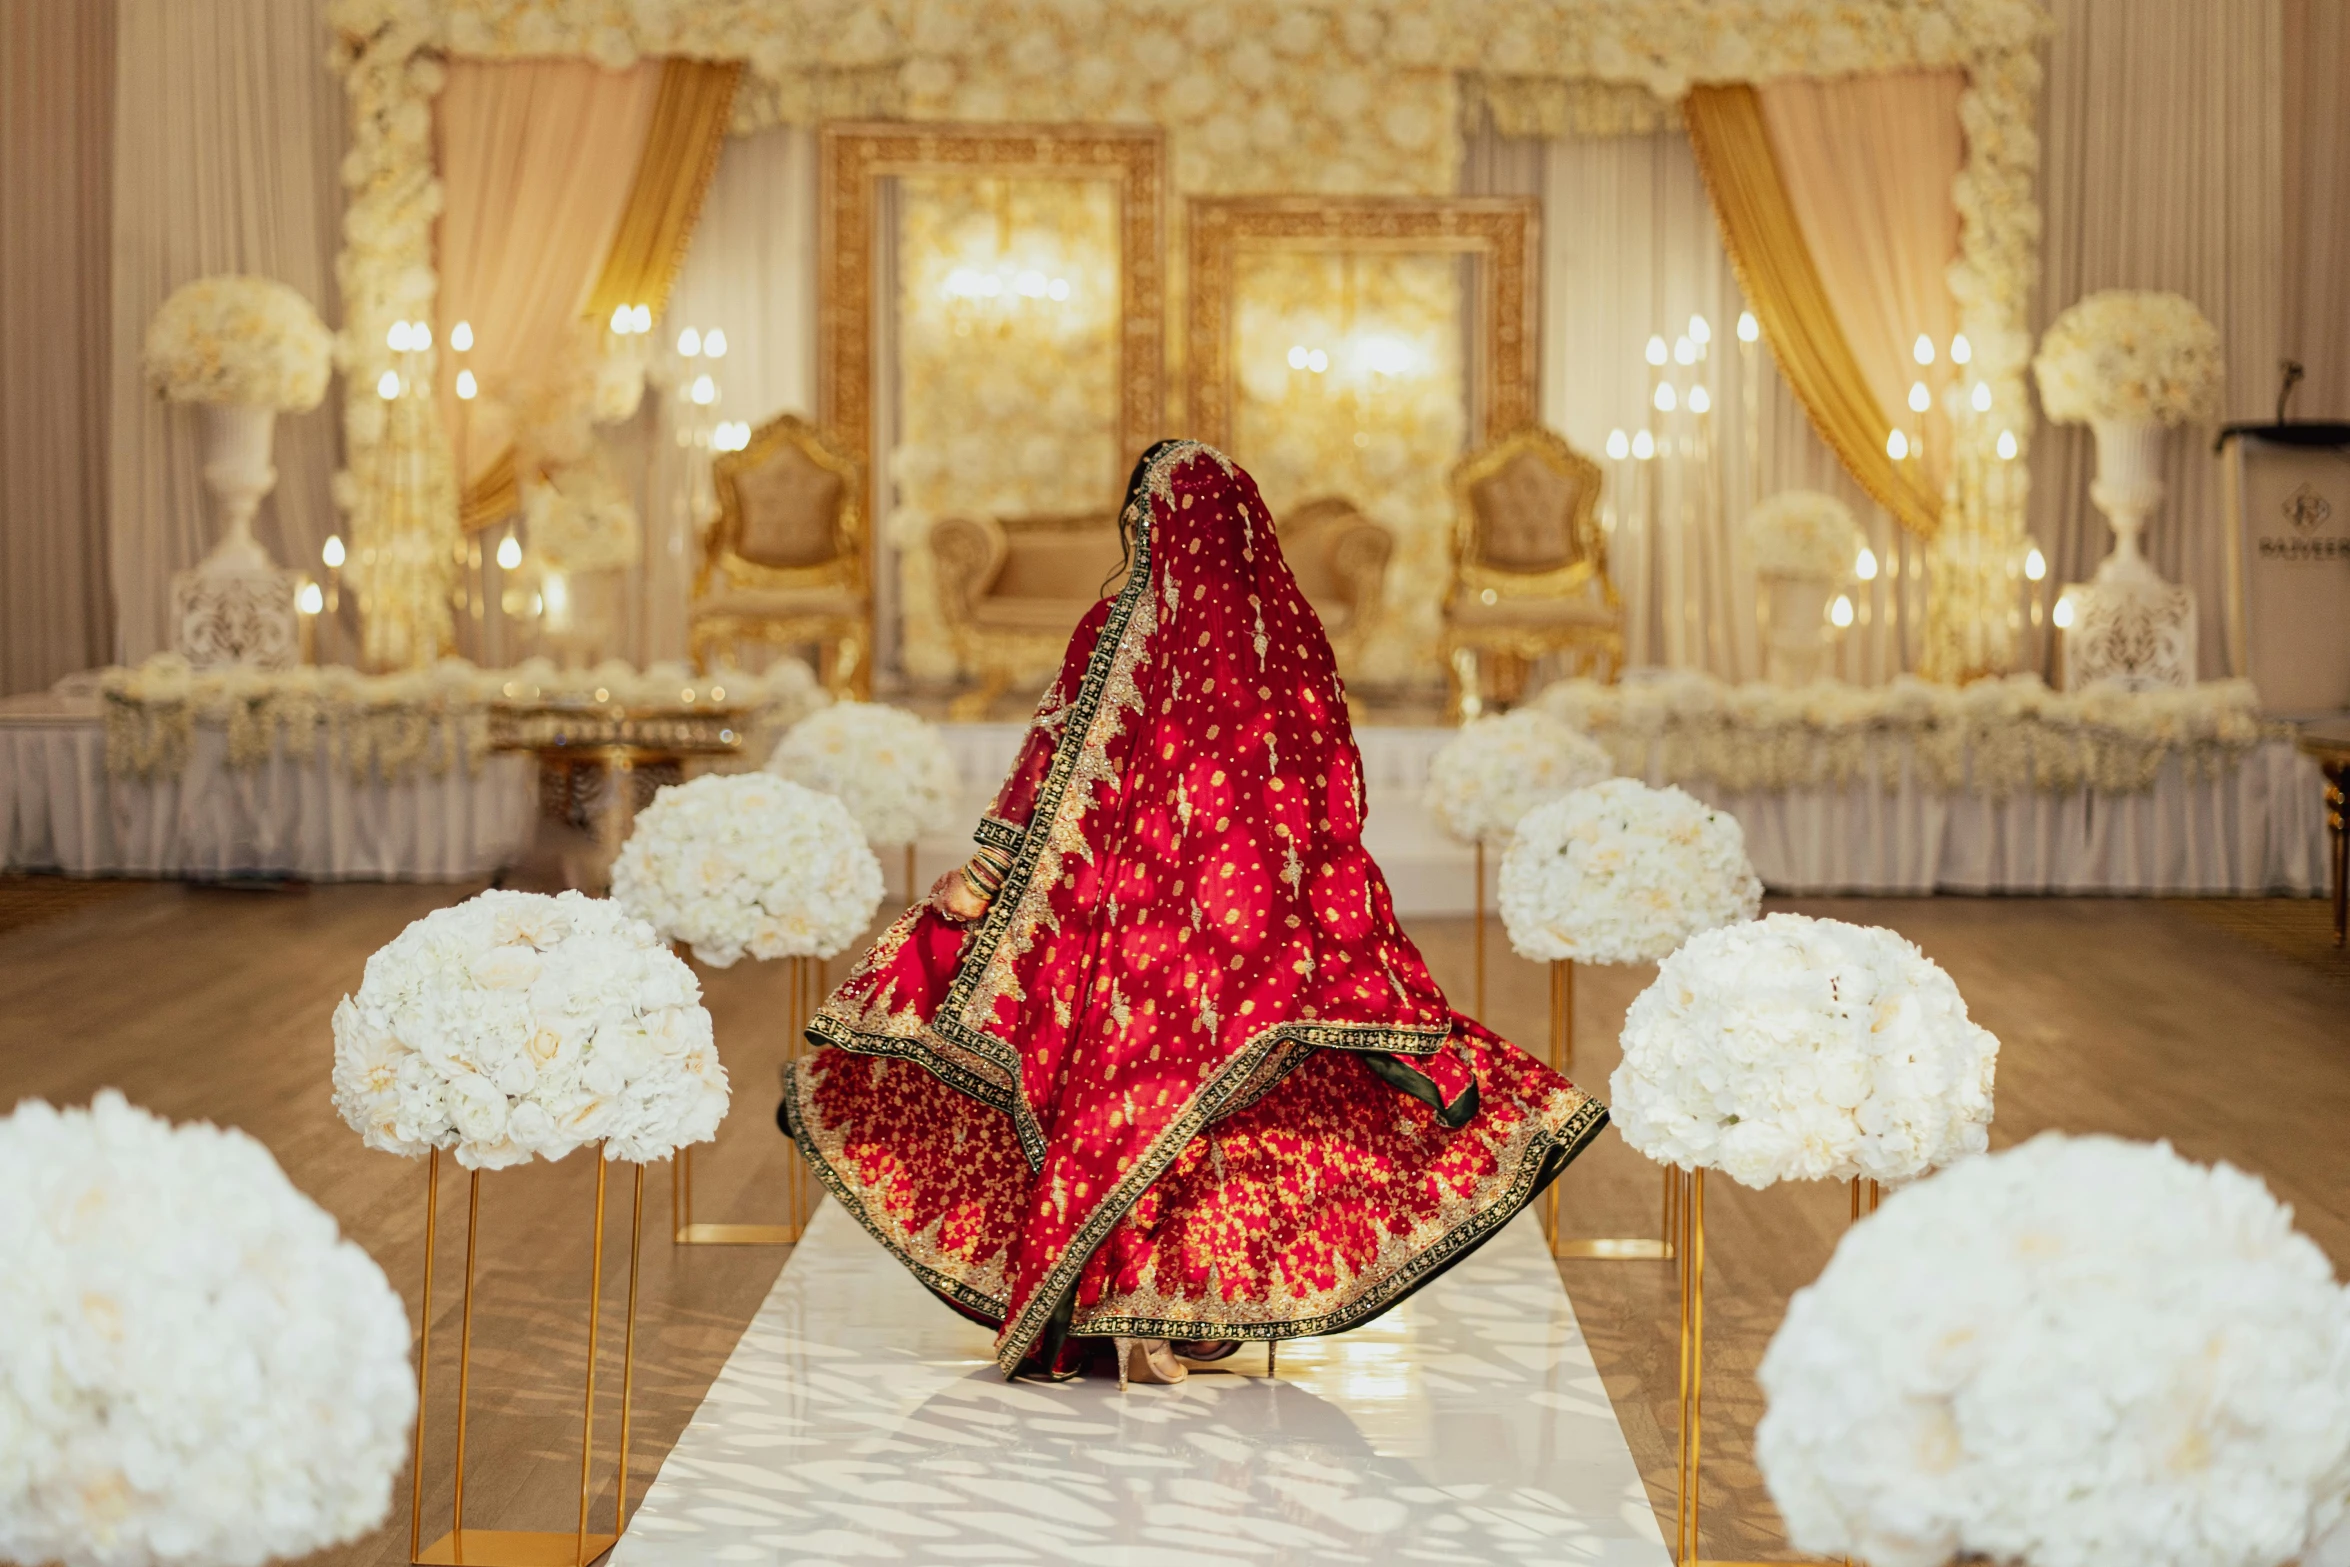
[2140, 1018]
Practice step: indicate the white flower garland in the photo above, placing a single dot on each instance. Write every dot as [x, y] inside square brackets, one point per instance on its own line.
[2077, 1352]
[1994, 738]
[1622, 873]
[1496, 769]
[1803, 533]
[891, 768]
[517, 1026]
[736, 863]
[1798, 1049]
[194, 1366]
[237, 339]
[2130, 354]
[581, 521]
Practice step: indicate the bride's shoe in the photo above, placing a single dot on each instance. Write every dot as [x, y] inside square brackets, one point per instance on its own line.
[1147, 1360]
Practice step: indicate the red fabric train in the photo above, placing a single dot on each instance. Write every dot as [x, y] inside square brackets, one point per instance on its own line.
[1187, 1078]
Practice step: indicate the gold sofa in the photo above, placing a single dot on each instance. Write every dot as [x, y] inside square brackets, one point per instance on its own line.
[1339, 557]
[1011, 589]
[785, 563]
[1529, 570]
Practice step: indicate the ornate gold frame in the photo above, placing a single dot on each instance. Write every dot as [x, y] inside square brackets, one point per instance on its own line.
[1551, 448]
[1505, 232]
[854, 156]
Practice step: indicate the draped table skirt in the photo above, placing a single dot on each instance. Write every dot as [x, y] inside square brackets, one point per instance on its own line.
[299, 814]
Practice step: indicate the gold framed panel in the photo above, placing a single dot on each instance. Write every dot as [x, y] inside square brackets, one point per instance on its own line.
[1502, 232]
[854, 157]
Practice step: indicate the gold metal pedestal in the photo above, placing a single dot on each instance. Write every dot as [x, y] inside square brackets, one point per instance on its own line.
[1686, 1227]
[1562, 1061]
[804, 980]
[580, 1545]
[1477, 938]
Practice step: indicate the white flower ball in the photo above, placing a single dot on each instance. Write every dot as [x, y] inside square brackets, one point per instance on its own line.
[241, 340]
[1622, 873]
[517, 1026]
[1497, 769]
[889, 767]
[2077, 1353]
[1798, 1049]
[2130, 354]
[736, 863]
[194, 1366]
[1803, 533]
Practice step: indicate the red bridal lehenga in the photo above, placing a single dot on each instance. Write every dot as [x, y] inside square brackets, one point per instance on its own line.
[1186, 1078]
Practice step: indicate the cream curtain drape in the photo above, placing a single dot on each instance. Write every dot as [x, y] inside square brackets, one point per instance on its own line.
[2163, 167]
[537, 158]
[1630, 248]
[56, 132]
[1868, 163]
[2316, 153]
[228, 140]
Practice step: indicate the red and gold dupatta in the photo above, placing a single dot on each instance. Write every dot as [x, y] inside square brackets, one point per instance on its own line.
[1189, 918]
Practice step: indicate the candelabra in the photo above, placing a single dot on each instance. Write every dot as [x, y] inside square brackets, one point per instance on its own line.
[404, 533]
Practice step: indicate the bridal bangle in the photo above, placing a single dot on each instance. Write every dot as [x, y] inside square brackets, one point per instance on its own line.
[985, 871]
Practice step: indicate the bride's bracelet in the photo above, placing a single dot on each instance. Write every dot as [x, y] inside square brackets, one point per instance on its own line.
[985, 871]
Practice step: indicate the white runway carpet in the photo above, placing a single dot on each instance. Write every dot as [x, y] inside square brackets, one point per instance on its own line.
[861, 1421]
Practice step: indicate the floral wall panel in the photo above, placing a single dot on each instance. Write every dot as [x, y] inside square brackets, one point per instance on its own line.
[1351, 383]
[1007, 367]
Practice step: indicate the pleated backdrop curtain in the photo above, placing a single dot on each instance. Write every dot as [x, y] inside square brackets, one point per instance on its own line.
[228, 138]
[1868, 164]
[56, 134]
[537, 159]
[2316, 152]
[2163, 167]
[1630, 249]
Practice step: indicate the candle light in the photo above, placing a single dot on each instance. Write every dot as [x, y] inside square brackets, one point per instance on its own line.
[1664, 398]
[467, 387]
[1619, 446]
[509, 552]
[714, 341]
[1897, 446]
[461, 337]
[1961, 351]
[1749, 329]
[689, 344]
[1922, 350]
[1643, 446]
[1656, 349]
[1864, 565]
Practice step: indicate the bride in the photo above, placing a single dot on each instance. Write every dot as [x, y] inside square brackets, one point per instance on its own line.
[1158, 1065]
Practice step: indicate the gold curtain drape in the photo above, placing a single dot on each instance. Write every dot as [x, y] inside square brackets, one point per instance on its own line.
[686, 133]
[1782, 285]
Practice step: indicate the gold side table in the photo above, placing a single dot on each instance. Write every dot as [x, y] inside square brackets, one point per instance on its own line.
[617, 741]
[2328, 744]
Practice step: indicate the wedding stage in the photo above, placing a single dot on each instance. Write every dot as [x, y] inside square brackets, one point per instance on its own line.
[859, 1420]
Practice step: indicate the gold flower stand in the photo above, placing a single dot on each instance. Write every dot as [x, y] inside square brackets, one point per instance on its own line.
[1685, 1229]
[1639, 1248]
[477, 1547]
[804, 982]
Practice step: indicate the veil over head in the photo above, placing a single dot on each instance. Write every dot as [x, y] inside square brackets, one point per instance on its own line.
[1190, 913]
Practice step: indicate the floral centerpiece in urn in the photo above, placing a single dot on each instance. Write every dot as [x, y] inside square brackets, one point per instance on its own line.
[242, 349]
[1805, 546]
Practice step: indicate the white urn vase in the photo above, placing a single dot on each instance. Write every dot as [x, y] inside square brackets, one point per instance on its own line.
[1797, 651]
[237, 606]
[2127, 488]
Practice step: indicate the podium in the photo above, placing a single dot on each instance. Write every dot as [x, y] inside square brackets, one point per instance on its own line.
[2288, 519]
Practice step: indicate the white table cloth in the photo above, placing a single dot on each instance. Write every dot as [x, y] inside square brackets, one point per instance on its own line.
[299, 815]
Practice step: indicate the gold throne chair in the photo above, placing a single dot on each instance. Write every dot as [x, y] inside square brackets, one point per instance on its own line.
[1012, 588]
[1339, 557]
[785, 562]
[1529, 570]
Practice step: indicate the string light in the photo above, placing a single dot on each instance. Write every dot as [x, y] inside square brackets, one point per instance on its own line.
[1664, 397]
[467, 387]
[1643, 446]
[1840, 612]
[1699, 401]
[332, 552]
[1619, 445]
[1961, 351]
[1749, 329]
[1981, 397]
[1864, 565]
[461, 337]
[1922, 350]
[1897, 446]
[509, 553]
[1919, 398]
[2007, 447]
[1656, 350]
[2035, 564]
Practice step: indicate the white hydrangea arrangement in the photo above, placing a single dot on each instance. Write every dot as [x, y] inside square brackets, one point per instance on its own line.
[1621, 873]
[2130, 354]
[243, 340]
[1497, 769]
[2078, 1352]
[1803, 533]
[579, 520]
[194, 1366]
[888, 766]
[517, 1026]
[1798, 1049]
[736, 863]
